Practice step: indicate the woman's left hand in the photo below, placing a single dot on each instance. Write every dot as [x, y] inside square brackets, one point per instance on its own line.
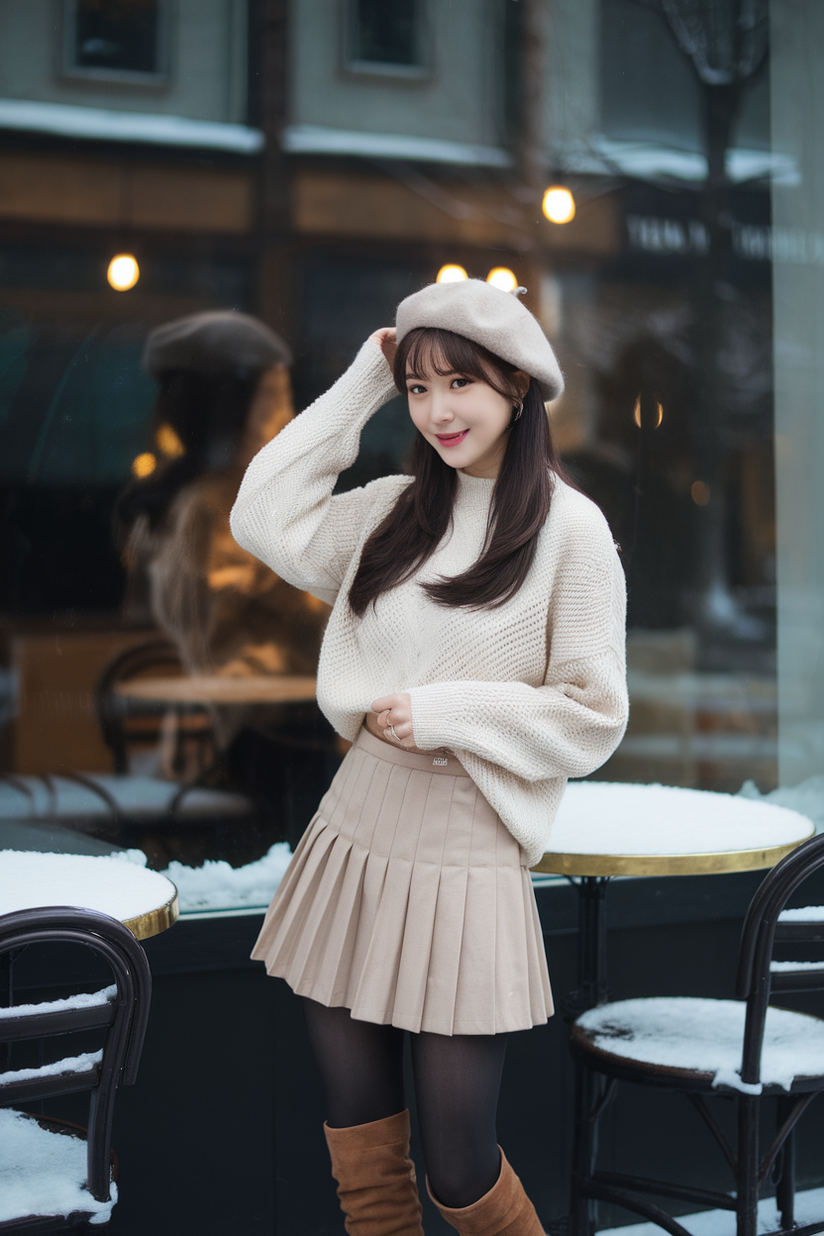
[395, 711]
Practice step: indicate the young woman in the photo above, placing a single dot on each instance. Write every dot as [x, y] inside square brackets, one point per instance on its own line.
[475, 658]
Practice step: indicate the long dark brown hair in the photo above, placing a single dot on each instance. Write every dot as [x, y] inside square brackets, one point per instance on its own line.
[521, 497]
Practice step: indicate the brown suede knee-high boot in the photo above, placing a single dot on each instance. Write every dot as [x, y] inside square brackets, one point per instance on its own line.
[504, 1211]
[376, 1178]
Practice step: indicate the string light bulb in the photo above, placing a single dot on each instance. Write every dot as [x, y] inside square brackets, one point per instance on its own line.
[144, 465]
[502, 277]
[451, 273]
[558, 204]
[123, 272]
[169, 442]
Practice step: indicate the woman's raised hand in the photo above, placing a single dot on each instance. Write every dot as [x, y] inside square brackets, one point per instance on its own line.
[387, 340]
[395, 717]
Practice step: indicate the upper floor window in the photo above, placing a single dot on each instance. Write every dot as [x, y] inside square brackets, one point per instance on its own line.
[386, 37]
[115, 39]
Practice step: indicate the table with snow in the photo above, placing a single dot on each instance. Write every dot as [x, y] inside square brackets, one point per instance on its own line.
[31, 1159]
[607, 829]
[145, 901]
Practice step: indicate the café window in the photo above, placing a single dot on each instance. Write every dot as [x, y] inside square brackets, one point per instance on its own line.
[116, 40]
[386, 38]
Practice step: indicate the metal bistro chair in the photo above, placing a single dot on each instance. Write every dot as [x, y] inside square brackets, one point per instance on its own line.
[121, 1011]
[742, 1049]
[127, 724]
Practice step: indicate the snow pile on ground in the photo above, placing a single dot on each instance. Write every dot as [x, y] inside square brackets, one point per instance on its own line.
[85, 1000]
[807, 797]
[707, 1035]
[44, 1173]
[121, 889]
[603, 817]
[218, 886]
[809, 1208]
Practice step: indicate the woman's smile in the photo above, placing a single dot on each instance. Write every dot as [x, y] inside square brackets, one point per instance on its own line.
[438, 400]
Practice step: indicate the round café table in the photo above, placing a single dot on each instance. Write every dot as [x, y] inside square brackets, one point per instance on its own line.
[144, 901]
[220, 689]
[605, 829]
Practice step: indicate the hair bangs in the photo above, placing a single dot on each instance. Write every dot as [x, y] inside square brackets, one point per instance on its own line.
[433, 350]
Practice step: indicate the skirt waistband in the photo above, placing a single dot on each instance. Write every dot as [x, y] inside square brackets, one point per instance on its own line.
[427, 761]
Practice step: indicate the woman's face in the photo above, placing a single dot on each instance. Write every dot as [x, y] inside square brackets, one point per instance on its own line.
[464, 418]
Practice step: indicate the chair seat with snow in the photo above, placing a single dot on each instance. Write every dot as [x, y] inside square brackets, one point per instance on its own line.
[54, 1176]
[743, 1049]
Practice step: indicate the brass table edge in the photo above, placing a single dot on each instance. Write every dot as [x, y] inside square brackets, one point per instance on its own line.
[146, 689]
[713, 862]
[154, 921]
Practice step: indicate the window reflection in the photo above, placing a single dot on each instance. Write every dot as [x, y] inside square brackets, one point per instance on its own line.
[114, 37]
[615, 165]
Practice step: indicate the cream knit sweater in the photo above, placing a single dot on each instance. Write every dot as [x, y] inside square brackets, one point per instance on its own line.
[525, 695]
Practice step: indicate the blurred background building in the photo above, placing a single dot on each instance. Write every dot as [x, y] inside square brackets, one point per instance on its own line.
[313, 162]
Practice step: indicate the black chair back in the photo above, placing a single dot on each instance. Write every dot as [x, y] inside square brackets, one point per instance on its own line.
[755, 982]
[123, 1017]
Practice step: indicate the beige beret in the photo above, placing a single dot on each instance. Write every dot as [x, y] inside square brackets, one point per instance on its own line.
[218, 341]
[486, 315]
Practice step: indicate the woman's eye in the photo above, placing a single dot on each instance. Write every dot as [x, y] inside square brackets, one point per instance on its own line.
[460, 382]
[417, 389]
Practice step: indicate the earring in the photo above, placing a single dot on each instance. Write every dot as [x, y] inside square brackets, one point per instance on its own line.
[518, 410]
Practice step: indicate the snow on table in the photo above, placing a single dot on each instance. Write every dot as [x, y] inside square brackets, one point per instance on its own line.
[44, 1173]
[690, 1033]
[604, 817]
[112, 886]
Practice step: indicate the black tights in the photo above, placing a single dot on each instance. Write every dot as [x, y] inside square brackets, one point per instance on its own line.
[457, 1080]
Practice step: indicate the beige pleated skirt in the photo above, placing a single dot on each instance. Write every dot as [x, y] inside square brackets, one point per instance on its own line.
[408, 902]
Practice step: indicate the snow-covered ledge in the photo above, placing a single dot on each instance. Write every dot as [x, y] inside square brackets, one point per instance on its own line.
[105, 124]
[321, 139]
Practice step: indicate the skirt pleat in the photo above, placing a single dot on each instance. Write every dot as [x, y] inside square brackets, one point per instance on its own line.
[407, 901]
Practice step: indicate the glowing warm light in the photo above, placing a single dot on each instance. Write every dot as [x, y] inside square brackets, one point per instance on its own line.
[636, 413]
[451, 274]
[502, 277]
[558, 204]
[144, 464]
[123, 272]
[700, 492]
[169, 443]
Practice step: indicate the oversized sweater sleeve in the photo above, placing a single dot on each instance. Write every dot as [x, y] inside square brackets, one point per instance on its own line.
[571, 724]
[285, 513]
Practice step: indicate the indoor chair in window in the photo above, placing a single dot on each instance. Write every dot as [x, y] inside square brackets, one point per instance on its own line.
[128, 725]
[743, 1049]
[119, 1012]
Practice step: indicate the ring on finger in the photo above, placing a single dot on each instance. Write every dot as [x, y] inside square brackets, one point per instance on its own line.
[391, 729]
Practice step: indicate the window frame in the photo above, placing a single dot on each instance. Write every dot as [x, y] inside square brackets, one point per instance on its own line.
[381, 69]
[125, 77]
